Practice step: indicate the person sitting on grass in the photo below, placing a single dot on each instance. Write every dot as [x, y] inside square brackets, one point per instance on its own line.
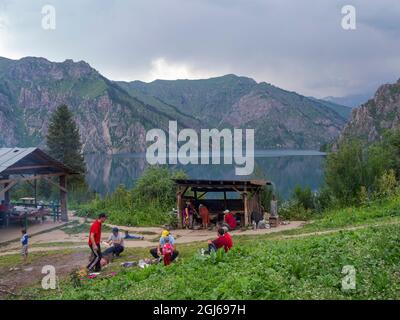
[219, 242]
[132, 236]
[116, 241]
[156, 252]
[229, 220]
[24, 243]
[229, 241]
[167, 251]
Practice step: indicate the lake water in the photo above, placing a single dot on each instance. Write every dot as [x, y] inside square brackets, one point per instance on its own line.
[285, 168]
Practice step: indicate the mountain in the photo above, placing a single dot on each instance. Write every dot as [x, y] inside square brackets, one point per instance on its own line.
[342, 110]
[351, 101]
[372, 118]
[114, 116]
[206, 99]
[281, 119]
[109, 119]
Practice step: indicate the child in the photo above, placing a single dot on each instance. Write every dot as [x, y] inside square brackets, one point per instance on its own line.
[167, 251]
[24, 243]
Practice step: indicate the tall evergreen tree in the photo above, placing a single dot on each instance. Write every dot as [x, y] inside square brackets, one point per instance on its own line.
[63, 140]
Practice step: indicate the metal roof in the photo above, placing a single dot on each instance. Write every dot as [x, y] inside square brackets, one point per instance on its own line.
[221, 185]
[29, 161]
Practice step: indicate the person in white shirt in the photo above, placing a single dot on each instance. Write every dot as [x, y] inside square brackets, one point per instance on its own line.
[116, 242]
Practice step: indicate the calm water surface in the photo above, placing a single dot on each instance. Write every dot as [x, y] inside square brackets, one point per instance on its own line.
[285, 168]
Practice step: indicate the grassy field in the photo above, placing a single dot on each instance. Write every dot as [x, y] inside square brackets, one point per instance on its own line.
[268, 266]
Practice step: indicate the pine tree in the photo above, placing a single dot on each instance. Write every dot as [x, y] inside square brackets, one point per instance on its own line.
[63, 140]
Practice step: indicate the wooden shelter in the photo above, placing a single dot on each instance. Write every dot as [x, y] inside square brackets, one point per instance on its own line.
[248, 199]
[30, 164]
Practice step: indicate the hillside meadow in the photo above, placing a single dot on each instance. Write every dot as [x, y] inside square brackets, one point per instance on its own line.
[274, 266]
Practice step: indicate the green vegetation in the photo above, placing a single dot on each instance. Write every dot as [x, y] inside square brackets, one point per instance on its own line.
[149, 203]
[354, 176]
[270, 266]
[376, 212]
[298, 268]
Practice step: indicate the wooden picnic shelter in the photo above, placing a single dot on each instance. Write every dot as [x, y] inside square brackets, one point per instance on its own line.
[31, 164]
[247, 201]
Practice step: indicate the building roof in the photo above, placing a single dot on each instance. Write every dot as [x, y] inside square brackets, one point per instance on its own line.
[222, 185]
[29, 161]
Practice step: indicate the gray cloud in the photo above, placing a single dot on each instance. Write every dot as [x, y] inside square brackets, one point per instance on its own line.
[297, 45]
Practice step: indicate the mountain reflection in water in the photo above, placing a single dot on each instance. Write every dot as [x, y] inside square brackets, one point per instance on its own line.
[285, 168]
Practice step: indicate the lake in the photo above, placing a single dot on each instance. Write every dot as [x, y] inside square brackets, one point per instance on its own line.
[285, 168]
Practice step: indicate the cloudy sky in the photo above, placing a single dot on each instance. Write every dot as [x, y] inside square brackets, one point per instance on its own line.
[298, 45]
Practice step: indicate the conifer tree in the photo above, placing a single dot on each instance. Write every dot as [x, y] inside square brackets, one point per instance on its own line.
[63, 140]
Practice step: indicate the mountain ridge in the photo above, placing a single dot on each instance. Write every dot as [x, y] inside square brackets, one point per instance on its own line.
[113, 116]
[370, 120]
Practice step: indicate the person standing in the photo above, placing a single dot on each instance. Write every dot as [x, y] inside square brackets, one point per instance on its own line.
[94, 243]
[188, 215]
[274, 207]
[205, 216]
[24, 244]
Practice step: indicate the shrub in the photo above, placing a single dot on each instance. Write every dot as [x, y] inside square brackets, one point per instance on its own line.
[386, 185]
[150, 202]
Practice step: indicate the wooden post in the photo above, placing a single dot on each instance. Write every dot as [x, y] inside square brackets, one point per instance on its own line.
[225, 203]
[246, 211]
[7, 193]
[35, 187]
[63, 198]
[179, 207]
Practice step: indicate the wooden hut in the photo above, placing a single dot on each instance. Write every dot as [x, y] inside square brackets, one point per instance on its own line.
[246, 202]
[30, 164]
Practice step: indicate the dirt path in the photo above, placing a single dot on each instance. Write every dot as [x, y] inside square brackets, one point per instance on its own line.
[319, 233]
[58, 240]
[22, 276]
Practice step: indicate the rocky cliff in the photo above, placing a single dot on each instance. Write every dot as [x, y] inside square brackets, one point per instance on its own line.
[370, 120]
[109, 119]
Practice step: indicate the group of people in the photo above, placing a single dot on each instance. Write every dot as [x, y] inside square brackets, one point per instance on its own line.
[165, 251]
[115, 242]
[166, 248]
[189, 213]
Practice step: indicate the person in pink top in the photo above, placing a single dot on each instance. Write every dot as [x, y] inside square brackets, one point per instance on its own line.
[167, 251]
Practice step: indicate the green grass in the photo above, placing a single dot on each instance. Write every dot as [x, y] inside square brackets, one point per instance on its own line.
[57, 244]
[377, 212]
[304, 268]
[12, 260]
[76, 227]
[267, 266]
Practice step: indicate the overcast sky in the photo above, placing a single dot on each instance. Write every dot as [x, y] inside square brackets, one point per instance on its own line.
[298, 45]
